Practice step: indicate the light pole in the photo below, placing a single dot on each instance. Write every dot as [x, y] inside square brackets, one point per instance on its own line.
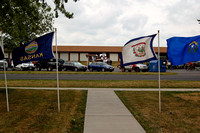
[5, 76]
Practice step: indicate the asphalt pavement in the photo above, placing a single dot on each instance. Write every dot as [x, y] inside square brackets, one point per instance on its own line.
[182, 75]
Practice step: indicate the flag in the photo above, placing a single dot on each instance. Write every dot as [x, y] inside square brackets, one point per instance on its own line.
[181, 50]
[138, 50]
[40, 48]
[1, 53]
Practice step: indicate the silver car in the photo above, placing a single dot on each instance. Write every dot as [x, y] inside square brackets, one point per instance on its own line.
[5, 63]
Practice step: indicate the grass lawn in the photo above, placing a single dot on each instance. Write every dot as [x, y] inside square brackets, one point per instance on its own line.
[102, 83]
[180, 111]
[37, 111]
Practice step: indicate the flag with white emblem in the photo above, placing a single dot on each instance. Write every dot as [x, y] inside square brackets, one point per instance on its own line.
[138, 50]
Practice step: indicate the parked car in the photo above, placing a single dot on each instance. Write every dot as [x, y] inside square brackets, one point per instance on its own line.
[49, 64]
[24, 67]
[138, 67]
[74, 66]
[190, 66]
[100, 66]
[9, 61]
[197, 66]
[2, 66]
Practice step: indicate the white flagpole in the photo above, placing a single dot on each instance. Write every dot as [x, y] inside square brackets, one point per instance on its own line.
[57, 70]
[5, 76]
[159, 71]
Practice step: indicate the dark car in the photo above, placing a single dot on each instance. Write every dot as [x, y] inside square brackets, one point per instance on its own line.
[49, 64]
[9, 61]
[100, 66]
[74, 66]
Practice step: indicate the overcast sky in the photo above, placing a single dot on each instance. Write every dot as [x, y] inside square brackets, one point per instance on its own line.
[115, 22]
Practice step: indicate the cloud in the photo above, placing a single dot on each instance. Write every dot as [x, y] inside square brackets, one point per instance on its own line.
[114, 22]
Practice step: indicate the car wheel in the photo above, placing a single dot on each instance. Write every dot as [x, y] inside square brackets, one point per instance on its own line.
[33, 69]
[103, 69]
[49, 68]
[91, 69]
[137, 69]
[76, 69]
[38, 68]
[59, 69]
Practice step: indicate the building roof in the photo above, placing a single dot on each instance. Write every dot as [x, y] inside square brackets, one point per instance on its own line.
[162, 49]
[96, 49]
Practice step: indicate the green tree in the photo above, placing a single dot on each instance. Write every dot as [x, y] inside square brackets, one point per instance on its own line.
[24, 20]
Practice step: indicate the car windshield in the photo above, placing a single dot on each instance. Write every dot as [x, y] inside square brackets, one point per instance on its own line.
[77, 64]
[61, 61]
[102, 63]
[198, 64]
[27, 63]
[66, 62]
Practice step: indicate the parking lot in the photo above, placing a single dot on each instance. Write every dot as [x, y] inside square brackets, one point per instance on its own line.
[182, 74]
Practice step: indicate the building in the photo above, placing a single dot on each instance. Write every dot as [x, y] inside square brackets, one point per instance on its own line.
[85, 53]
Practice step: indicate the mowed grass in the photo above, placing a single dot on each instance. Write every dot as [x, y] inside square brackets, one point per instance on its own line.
[37, 111]
[180, 111]
[102, 83]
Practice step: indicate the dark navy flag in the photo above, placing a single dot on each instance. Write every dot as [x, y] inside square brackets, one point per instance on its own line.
[181, 50]
[138, 50]
[40, 48]
[1, 53]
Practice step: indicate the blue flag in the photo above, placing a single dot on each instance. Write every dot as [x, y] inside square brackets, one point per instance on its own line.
[181, 50]
[138, 50]
[40, 48]
[1, 53]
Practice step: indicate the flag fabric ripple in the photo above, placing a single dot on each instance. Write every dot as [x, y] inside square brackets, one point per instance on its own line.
[37, 49]
[138, 50]
[181, 50]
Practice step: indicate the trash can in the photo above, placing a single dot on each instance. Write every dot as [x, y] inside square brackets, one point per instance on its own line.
[153, 66]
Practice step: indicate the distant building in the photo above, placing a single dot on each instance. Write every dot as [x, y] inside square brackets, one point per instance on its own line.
[86, 53]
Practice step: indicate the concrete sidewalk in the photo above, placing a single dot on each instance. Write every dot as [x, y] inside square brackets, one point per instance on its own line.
[105, 113]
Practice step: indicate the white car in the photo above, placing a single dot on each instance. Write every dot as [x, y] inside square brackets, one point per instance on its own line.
[24, 66]
[139, 67]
